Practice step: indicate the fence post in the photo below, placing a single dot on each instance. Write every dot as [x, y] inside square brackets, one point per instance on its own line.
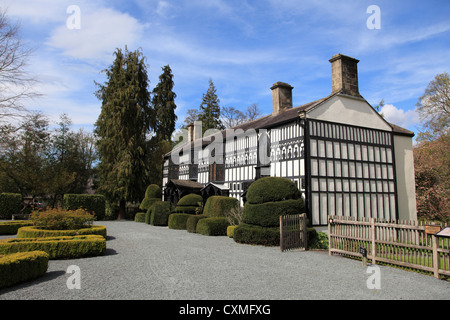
[374, 248]
[281, 233]
[435, 256]
[329, 235]
[305, 230]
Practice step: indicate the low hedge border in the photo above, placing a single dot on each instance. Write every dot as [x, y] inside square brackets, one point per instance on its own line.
[257, 235]
[215, 226]
[11, 227]
[57, 247]
[191, 223]
[32, 232]
[178, 221]
[23, 266]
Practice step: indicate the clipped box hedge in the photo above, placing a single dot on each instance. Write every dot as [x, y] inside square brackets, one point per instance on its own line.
[23, 266]
[216, 226]
[10, 203]
[91, 202]
[257, 235]
[270, 189]
[159, 213]
[11, 227]
[218, 206]
[268, 214]
[32, 232]
[178, 221]
[189, 204]
[57, 247]
[139, 217]
[191, 223]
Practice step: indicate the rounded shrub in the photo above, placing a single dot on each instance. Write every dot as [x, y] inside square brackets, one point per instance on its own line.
[216, 226]
[153, 191]
[270, 189]
[153, 194]
[178, 221]
[159, 213]
[23, 266]
[191, 223]
[267, 199]
[218, 206]
[139, 217]
[189, 204]
[268, 214]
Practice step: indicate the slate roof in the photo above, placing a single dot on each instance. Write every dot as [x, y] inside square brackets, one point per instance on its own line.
[273, 120]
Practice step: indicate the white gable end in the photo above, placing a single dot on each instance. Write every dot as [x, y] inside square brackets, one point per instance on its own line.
[349, 110]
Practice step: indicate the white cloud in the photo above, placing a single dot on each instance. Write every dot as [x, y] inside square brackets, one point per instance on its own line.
[399, 117]
[102, 31]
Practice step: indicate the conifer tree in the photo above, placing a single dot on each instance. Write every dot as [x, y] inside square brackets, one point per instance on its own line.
[210, 110]
[163, 103]
[122, 127]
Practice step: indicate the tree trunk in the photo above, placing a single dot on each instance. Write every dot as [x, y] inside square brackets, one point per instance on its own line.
[121, 215]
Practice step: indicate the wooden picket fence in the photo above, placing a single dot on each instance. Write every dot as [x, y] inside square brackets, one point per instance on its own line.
[293, 233]
[405, 243]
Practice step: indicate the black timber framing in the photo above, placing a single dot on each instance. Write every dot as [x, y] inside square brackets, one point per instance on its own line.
[379, 189]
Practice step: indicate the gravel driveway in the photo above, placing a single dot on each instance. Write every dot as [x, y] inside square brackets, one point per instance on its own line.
[147, 262]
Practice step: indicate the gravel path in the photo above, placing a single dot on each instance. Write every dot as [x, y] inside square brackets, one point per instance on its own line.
[147, 262]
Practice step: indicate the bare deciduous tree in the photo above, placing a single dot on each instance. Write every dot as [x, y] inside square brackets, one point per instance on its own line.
[16, 85]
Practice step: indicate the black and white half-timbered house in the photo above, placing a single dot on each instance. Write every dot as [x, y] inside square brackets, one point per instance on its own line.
[345, 158]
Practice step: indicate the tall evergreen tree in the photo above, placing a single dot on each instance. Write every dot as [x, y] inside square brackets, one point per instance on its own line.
[121, 129]
[210, 110]
[163, 103]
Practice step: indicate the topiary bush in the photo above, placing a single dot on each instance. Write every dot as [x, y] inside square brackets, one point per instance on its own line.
[267, 199]
[218, 206]
[178, 221]
[215, 226]
[10, 203]
[189, 204]
[94, 203]
[191, 223]
[159, 213]
[139, 217]
[23, 266]
[153, 193]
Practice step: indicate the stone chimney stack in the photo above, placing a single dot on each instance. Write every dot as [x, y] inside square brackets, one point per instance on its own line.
[194, 130]
[281, 97]
[344, 73]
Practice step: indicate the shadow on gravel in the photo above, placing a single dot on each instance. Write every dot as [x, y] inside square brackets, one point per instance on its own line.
[48, 276]
[110, 252]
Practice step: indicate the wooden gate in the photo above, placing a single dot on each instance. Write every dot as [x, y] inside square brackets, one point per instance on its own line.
[293, 234]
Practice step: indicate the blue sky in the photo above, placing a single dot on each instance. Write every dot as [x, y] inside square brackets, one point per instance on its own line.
[243, 46]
